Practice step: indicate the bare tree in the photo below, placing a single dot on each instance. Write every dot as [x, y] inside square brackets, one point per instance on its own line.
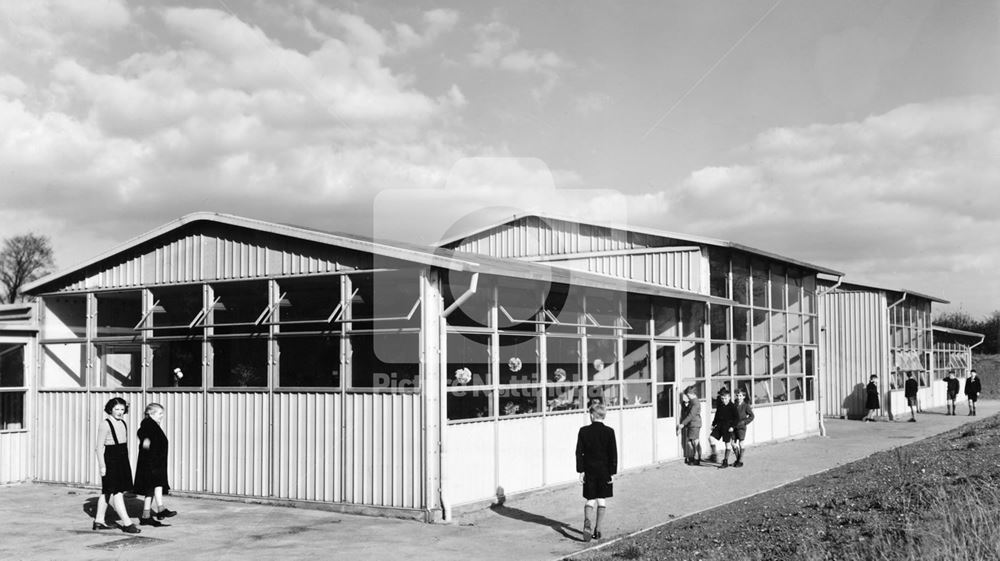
[23, 259]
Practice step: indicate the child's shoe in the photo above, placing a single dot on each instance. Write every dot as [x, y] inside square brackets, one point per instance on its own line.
[725, 464]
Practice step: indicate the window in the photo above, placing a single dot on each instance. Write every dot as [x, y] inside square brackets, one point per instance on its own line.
[741, 279]
[777, 287]
[11, 410]
[637, 373]
[693, 320]
[309, 304]
[384, 300]
[65, 317]
[12, 376]
[118, 313]
[741, 324]
[564, 397]
[519, 359]
[637, 314]
[475, 310]
[176, 307]
[520, 401]
[237, 306]
[177, 363]
[470, 404]
[239, 363]
[563, 359]
[602, 355]
[720, 359]
[309, 361]
[468, 359]
[720, 327]
[665, 319]
[759, 279]
[64, 365]
[719, 273]
[120, 365]
[519, 304]
[385, 360]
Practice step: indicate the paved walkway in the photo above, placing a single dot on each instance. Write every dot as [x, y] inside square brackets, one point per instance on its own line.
[51, 522]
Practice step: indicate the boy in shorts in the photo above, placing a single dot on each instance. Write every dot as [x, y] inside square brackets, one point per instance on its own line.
[596, 462]
[910, 392]
[690, 427]
[723, 427]
[744, 416]
[952, 386]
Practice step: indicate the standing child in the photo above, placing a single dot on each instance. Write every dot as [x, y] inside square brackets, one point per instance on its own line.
[112, 460]
[151, 467]
[910, 392]
[690, 426]
[723, 427]
[871, 401]
[973, 387]
[596, 462]
[744, 416]
[952, 382]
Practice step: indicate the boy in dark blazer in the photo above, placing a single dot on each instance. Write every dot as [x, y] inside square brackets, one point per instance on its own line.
[723, 427]
[973, 387]
[596, 462]
[910, 393]
[952, 389]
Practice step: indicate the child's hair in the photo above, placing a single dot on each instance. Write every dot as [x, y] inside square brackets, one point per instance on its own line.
[724, 392]
[598, 411]
[909, 374]
[873, 377]
[110, 405]
[690, 391]
[742, 392]
[152, 407]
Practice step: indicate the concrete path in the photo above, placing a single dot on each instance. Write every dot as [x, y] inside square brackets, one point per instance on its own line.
[51, 522]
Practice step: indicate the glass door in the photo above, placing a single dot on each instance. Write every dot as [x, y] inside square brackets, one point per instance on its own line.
[667, 402]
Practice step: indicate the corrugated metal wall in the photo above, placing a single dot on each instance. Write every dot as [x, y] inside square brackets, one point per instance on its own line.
[853, 345]
[14, 456]
[348, 448]
[674, 269]
[201, 257]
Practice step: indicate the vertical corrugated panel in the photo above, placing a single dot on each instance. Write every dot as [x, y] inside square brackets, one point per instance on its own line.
[307, 458]
[183, 423]
[236, 458]
[65, 451]
[14, 456]
[382, 436]
[851, 348]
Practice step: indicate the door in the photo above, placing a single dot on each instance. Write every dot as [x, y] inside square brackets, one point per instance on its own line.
[667, 404]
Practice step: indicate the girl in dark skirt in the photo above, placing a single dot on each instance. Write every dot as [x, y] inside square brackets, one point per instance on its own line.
[151, 467]
[871, 399]
[112, 460]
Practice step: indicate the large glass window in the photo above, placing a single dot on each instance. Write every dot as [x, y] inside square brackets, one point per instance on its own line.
[470, 404]
[777, 287]
[564, 397]
[309, 361]
[11, 365]
[120, 365]
[175, 309]
[563, 359]
[238, 306]
[239, 362]
[308, 304]
[719, 273]
[759, 278]
[64, 365]
[383, 300]
[520, 304]
[469, 359]
[741, 279]
[519, 359]
[65, 317]
[720, 327]
[11, 411]
[520, 401]
[177, 362]
[385, 360]
[637, 314]
[118, 313]
[602, 355]
[475, 309]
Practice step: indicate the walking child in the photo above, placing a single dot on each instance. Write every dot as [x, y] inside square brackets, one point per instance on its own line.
[910, 392]
[973, 387]
[723, 427]
[596, 462]
[690, 426]
[113, 463]
[871, 399]
[952, 389]
[744, 416]
[151, 467]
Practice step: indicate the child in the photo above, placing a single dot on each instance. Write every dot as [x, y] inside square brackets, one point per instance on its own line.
[151, 467]
[973, 387]
[744, 416]
[952, 382]
[596, 462]
[871, 401]
[690, 426]
[910, 392]
[112, 460]
[723, 427]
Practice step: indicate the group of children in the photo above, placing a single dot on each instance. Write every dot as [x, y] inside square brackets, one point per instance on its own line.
[116, 472]
[729, 427]
[973, 387]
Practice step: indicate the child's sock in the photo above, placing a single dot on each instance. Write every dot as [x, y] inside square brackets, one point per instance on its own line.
[145, 513]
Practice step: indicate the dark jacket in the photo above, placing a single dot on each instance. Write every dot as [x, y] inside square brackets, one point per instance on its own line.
[910, 388]
[726, 417]
[973, 386]
[691, 414]
[597, 450]
[872, 401]
[744, 414]
[953, 385]
[151, 465]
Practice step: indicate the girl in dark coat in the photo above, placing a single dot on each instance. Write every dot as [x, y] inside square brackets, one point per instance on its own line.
[113, 465]
[151, 466]
[871, 400]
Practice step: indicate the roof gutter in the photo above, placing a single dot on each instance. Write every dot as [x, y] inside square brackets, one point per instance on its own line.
[840, 280]
[982, 338]
[900, 301]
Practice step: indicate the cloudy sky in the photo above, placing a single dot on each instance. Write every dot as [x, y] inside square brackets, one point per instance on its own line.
[864, 136]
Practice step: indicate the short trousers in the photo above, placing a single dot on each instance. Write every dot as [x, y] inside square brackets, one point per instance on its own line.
[911, 401]
[973, 398]
[719, 434]
[952, 396]
[597, 486]
[740, 433]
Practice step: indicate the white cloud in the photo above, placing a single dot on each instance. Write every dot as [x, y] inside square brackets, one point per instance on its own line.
[497, 47]
[907, 197]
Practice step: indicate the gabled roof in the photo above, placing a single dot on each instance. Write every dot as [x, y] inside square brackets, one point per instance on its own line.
[430, 256]
[642, 230]
[866, 285]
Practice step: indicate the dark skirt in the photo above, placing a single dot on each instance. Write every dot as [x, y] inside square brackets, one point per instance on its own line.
[118, 473]
[597, 486]
[150, 473]
[872, 402]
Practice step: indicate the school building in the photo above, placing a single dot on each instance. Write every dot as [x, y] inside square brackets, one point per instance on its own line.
[360, 375]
